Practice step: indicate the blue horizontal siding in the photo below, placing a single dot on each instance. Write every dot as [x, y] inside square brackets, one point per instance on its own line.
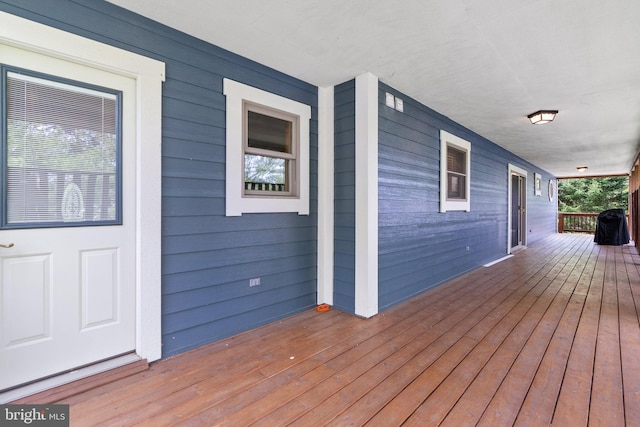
[175, 283]
[204, 333]
[419, 247]
[207, 258]
[344, 196]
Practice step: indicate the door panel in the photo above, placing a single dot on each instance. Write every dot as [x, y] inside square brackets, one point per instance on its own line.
[68, 300]
[100, 290]
[26, 299]
[515, 209]
[68, 293]
[518, 210]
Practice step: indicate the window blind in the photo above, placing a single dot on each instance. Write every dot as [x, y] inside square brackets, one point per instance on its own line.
[62, 152]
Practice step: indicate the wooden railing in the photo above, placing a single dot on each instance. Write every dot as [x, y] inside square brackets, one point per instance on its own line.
[263, 186]
[38, 194]
[574, 222]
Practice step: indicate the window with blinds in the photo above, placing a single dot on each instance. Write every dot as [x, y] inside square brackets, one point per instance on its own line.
[456, 173]
[62, 152]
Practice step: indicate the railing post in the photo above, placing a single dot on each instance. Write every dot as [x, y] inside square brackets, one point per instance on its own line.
[560, 222]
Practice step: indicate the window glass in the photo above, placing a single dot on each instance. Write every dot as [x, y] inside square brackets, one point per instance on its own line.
[455, 170]
[456, 173]
[269, 133]
[62, 153]
[267, 152]
[265, 173]
[270, 152]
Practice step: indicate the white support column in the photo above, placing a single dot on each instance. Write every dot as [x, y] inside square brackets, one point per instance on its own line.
[366, 280]
[325, 194]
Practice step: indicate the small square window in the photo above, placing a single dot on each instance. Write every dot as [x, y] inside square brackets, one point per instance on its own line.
[454, 173]
[270, 153]
[267, 138]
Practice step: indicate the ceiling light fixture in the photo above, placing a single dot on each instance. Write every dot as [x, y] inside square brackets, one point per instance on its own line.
[582, 168]
[543, 116]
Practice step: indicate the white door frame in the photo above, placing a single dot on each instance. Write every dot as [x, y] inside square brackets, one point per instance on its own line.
[149, 75]
[515, 170]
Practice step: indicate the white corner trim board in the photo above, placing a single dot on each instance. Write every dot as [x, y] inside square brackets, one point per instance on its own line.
[325, 194]
[366, 280]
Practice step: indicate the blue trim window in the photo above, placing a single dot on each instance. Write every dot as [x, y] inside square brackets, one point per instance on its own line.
[61, 152]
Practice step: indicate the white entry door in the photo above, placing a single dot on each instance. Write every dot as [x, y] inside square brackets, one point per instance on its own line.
[67, 275]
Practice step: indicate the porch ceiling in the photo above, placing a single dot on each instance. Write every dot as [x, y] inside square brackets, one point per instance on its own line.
[485, 64]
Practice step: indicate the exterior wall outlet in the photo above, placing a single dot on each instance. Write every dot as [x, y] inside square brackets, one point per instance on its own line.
[254, 282]
[394, 102]
[390, 100]
[399, 105]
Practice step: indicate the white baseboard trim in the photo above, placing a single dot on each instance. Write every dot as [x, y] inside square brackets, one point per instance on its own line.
[67, 377]
[497, 261]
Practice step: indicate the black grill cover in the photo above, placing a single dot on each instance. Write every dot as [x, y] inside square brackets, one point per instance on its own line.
[611, 228]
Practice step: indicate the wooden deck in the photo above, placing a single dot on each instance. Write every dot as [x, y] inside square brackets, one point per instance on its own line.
[550, 336]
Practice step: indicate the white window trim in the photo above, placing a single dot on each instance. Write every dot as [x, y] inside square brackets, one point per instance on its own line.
[236, 204]
[447, 139]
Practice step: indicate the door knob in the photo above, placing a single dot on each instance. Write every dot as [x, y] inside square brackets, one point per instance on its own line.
[9, 245]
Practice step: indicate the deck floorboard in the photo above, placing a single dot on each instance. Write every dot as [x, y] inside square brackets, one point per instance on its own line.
[550, 336]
